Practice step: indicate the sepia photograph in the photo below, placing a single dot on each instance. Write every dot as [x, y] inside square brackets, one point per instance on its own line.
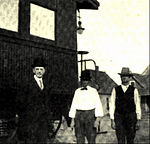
[74, 71]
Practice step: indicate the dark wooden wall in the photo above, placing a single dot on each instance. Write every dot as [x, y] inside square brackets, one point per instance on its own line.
[18, 49]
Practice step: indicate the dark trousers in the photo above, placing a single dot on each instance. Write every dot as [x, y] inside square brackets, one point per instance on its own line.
[84, 126]
[125, 127]
[35, 133]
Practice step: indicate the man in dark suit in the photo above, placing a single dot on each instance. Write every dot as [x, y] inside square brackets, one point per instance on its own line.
[33, 107]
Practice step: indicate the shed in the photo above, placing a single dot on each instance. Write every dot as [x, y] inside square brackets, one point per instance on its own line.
[143, 85]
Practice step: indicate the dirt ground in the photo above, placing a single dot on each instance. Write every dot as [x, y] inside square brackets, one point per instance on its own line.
[107, 135]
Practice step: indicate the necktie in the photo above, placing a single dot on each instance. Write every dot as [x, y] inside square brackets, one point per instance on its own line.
[41, 85]
[84, 88]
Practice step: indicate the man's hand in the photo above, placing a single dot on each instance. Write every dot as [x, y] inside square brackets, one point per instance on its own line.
[72, 124]
[137, 125]
[16, 119]
[97, 124]
[113, 124]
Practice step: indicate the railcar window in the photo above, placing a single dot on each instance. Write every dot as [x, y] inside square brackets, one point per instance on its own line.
[42, 22]
[9, 14]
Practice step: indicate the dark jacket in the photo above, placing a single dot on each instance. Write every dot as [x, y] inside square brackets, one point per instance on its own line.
[33, 108]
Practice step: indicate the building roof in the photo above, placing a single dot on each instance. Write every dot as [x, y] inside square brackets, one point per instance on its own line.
[104, 82]
[143, 84]
[87, 4]
[146, 71]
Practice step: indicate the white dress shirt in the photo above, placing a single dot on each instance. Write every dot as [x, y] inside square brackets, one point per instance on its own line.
[136, 101]
[41, 85]
[86, 100]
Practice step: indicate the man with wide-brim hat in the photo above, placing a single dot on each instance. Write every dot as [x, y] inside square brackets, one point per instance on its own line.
[125, 109]
[86, 110]
[33, 106]
[126, 72]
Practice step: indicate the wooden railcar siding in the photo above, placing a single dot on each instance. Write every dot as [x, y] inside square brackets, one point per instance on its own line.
[66, 24]
[17, 50]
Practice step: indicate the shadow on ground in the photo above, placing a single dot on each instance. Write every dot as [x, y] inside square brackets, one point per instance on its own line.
[107, 135]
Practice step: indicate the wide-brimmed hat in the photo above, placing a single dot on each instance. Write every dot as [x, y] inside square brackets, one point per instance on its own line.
[125, 72]
[85, 75]
[39, 62]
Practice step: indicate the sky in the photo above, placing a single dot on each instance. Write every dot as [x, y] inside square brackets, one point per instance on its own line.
[116, 35]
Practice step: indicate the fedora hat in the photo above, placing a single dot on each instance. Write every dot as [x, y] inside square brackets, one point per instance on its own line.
[85, 75]
[125, 72]
[39, 62]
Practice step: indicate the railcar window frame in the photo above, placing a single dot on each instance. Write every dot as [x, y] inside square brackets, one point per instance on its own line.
[54, 21]
[23, 32]
[7, 13]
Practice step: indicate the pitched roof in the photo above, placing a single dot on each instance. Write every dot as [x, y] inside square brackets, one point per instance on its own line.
[146, 71]
[144, 80]
[104, 82]
[87, 4]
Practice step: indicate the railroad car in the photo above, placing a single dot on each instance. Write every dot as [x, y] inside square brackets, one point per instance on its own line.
[31, 28]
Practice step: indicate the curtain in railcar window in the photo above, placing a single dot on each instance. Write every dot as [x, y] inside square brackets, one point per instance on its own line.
[42, 22]
[9, 14]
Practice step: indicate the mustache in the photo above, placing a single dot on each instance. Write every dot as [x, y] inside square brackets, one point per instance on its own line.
[39, 73]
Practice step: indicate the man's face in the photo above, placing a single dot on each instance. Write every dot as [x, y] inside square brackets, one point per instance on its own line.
[39, 71]
[125, 79]
[85, 83]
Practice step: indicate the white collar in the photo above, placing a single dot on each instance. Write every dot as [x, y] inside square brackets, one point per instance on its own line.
[125, 85]
[36, 78]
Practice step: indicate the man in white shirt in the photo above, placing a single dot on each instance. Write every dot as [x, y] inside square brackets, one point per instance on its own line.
[86, 110]
[125, 109]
